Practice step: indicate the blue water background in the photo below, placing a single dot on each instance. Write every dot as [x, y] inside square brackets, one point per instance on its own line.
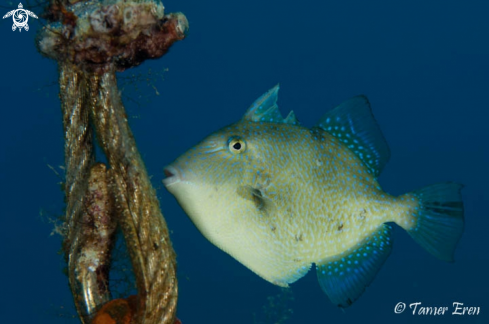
[424, 65]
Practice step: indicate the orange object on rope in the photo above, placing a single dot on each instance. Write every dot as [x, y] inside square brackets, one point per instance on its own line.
[119, 311]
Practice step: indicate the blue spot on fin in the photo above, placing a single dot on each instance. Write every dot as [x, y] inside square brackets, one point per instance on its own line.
[344, 277]
[291, 119]
[265, 108]
[439, 220]
[354, 125]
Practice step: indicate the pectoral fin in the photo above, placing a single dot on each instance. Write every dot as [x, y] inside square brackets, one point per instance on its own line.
[257, 197]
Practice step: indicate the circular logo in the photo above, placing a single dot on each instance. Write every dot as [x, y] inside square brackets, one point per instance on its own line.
[20, 18]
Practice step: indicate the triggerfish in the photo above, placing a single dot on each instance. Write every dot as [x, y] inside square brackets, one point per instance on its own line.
[279, 197]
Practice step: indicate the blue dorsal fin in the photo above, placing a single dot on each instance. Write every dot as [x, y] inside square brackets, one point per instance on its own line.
[291, 119]
[344, 277]
[265, 108]
[354, 125]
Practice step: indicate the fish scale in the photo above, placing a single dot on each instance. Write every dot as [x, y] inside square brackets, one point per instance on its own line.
[280, 197]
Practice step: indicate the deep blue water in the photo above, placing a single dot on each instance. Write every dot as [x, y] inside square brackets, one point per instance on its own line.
[424, 66]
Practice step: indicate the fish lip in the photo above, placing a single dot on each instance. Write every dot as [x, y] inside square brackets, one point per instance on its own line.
[173, 176]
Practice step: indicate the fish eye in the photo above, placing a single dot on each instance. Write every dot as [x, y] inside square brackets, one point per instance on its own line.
[236, 145]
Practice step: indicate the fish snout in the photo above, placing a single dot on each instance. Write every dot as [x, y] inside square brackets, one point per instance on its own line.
[173, 175]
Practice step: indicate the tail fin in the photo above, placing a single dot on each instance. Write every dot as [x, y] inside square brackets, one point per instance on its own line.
[439, 219]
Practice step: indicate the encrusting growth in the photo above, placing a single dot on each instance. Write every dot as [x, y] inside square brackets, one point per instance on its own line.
[98, 36]
[92, 40]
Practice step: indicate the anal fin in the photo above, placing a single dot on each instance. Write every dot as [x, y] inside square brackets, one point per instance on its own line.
[344, 277]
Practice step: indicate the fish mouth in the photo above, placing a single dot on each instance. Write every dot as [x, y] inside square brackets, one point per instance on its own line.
[173, 176]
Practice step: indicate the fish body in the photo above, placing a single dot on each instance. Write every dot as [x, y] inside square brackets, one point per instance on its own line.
[280, 197]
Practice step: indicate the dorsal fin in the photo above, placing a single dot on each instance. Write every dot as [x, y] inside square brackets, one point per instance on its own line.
[354, 125]
[291, 119]
[265, 108]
